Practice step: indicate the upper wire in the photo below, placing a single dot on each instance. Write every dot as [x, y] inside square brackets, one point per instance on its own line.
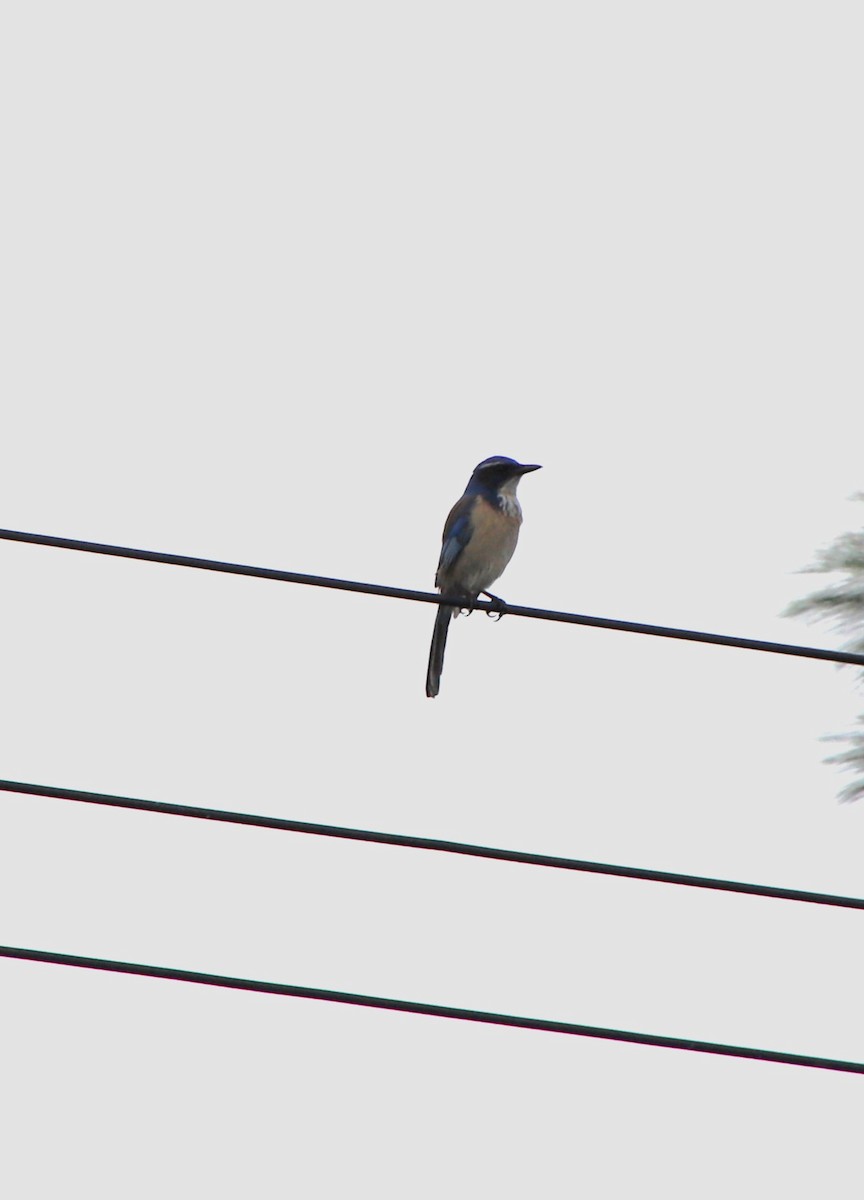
[397, 593]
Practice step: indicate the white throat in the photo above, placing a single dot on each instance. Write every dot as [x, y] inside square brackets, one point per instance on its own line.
[507, 494]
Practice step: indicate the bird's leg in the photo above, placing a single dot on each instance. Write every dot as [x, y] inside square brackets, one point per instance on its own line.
[499, 606]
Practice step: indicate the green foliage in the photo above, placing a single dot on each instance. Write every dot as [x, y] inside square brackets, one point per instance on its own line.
[850, 760]
[841, 605]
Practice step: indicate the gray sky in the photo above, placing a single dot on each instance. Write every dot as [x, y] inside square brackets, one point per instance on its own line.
[275, 277]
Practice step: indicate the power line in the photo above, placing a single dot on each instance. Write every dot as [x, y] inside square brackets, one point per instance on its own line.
[375, 589]
[423, 843]
[431, 1010]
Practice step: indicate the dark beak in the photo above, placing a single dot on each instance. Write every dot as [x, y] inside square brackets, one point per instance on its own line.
[524, 468]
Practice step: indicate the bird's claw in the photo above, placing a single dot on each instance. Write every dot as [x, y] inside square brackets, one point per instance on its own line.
[498, 609]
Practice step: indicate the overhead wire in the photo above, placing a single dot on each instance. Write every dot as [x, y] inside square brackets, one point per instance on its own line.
[435, 844]
[424, 843]
[447, 1012]
[397, 593]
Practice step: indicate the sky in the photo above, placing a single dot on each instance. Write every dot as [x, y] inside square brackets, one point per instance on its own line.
[275, 278]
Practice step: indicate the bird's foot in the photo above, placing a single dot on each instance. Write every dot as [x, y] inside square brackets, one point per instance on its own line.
[499, 606]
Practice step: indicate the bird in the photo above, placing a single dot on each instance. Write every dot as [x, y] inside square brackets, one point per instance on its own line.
[480, 535]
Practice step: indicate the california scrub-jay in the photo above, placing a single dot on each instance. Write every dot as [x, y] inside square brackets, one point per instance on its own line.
[479, 539]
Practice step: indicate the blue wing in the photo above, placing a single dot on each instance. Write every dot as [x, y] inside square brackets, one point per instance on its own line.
[457, 535]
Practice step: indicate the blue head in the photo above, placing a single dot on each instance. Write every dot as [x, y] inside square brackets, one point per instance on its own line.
[498, 476]
[496, 479]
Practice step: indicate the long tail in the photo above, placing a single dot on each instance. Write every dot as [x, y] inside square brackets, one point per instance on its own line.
[436, 650]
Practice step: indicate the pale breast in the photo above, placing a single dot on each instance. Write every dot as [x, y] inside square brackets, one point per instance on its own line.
[493, 540]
